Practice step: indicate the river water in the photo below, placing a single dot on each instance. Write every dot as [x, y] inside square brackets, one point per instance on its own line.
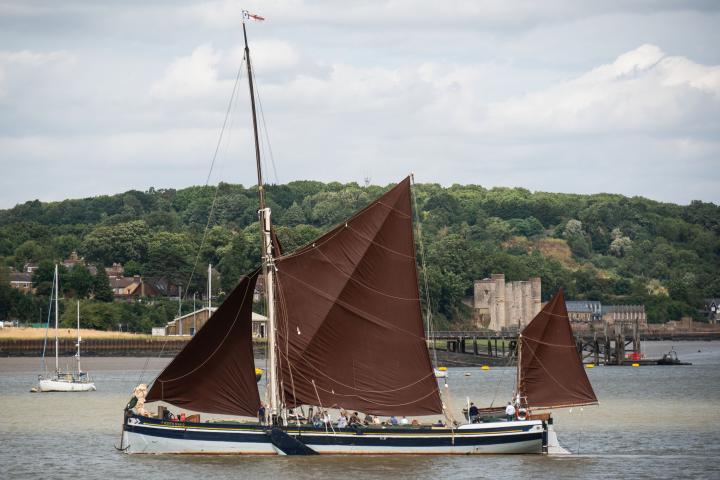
[652, 422]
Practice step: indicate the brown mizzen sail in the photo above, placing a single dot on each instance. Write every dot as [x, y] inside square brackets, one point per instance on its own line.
[215, 372]
[551, 370]
[350, 330]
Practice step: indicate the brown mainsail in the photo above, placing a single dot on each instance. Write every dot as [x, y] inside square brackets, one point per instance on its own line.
[349, 329]
[551, 371]
[215, 372]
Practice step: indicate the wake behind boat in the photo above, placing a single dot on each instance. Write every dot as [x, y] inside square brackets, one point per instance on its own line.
[345, 333]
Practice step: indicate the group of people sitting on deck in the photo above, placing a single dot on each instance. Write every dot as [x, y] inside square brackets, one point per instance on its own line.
[320, 418]
[511, 413]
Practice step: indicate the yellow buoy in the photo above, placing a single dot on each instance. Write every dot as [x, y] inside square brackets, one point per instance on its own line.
[589, 365]
[485, 367]
[635, 364]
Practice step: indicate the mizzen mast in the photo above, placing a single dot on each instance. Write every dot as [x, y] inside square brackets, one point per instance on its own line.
[267, 256]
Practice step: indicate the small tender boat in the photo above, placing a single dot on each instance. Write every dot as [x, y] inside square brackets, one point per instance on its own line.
[671, 358]
[441, 372]
[60, 381]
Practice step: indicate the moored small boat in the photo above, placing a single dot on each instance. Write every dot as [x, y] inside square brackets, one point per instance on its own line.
[60, 381]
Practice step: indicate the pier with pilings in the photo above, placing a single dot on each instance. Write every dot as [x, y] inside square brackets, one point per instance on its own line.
[618, 346]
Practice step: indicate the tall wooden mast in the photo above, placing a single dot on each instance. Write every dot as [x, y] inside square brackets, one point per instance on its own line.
[268, 261]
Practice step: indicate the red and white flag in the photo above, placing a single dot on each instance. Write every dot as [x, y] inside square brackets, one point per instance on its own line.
[247, 15]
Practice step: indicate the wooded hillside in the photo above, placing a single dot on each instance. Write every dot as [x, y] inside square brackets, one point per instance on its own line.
[605, 247]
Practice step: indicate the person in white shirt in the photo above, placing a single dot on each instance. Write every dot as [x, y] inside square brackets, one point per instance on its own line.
[404, 421]
[510, 412]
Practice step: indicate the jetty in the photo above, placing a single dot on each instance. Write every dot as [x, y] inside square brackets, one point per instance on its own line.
[466, 348]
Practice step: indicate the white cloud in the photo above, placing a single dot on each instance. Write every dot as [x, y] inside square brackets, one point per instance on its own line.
[192, 76]
[643, 90]
[494, 92]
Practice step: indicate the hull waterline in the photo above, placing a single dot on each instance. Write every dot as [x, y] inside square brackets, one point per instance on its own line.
[152, 436]
[62, 386]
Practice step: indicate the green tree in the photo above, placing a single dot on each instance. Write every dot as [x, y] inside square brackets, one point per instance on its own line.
[170, 256]
[78, 281]
[117, 243]
[236, 261]
[294, 215]
[101, 289]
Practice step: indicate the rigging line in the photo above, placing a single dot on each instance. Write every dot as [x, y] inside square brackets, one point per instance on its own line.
[499, 381]
[207, 180]
[547, 343]
[308, 362]
[284, 321]
[314, 367]
[47, 330]
[350, 277]
[265, 129]
[400, 254]
[361, 313]
[324, 413]
[331, 392]
[394, 210]
[428, 304]
[334, 230]
[212, 207]
[222, 342]
[559, 384]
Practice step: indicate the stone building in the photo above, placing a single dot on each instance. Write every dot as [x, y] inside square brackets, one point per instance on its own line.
[501, 305]
[626, 314]
[584, 310]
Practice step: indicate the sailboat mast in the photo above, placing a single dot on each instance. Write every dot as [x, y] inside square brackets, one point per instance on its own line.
[268, 262]
[518, 375]
[78, 336]
[57, 341]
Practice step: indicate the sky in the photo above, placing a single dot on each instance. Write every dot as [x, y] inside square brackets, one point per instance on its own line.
[100, 97]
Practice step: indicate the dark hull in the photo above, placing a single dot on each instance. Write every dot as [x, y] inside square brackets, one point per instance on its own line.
[148, 435]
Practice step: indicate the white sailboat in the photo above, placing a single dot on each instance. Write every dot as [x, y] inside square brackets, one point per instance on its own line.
[65, 381]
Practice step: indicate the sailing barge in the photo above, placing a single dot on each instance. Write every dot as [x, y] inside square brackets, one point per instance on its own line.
[345, 331]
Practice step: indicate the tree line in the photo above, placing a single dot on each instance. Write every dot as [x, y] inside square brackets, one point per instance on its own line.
[604, 247]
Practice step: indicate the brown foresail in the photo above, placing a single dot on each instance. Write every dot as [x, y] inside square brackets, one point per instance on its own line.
[350, 330]
[215, 372]
[551, 370]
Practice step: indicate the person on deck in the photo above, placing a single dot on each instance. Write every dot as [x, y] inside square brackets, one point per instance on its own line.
[368, 419]
[261, 413]
[473, 413]
[317, 420]
[342, 421]
[404, 421]
[354, 419]
[393, 420]
[509, 412]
